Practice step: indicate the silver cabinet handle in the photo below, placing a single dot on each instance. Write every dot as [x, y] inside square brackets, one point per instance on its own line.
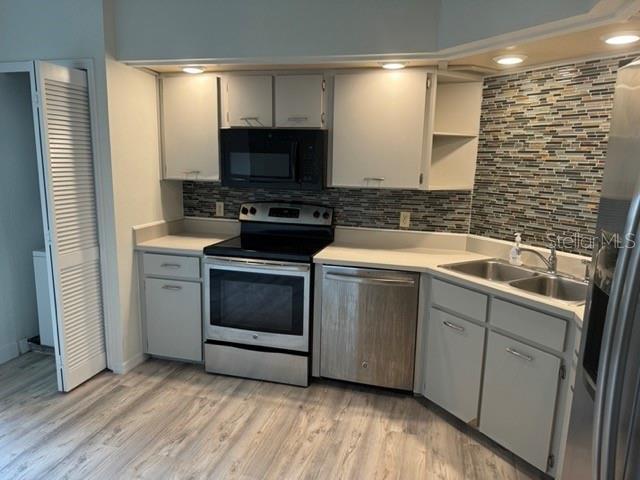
[374, 179]
[297, 119]
[170, 265]
[246, 119]
[399, 282]
[518, 354]
[173, 288]
[455, 327]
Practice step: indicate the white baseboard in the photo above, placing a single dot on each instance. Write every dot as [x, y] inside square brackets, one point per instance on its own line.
[8, 352]
[129, 364]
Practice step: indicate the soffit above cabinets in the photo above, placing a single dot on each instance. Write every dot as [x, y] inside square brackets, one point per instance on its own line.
[549, 50]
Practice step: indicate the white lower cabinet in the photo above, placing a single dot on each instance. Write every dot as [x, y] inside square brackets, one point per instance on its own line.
[519, 398]
[173, 319]
[454, 364]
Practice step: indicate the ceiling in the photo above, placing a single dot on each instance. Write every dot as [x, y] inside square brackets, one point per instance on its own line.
[553, 49]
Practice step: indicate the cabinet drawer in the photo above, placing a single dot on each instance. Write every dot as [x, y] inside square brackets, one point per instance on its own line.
[454, 364]
[460, 300]
[171, 266]
[519, 398]
[538, 327]
[173, 319]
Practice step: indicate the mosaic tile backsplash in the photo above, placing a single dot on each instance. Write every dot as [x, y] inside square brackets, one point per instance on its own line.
[540, 161]
[543, 141]
[433, 211]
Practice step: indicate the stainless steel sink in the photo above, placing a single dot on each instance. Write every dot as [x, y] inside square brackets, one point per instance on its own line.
[491, 270]
[552, 286]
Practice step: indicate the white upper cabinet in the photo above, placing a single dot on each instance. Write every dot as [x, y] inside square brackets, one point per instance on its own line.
[298, 101]
[379, 129]
[190, 127]
[249, 100]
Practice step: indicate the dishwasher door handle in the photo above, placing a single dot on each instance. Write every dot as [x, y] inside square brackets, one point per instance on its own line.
[388, 281]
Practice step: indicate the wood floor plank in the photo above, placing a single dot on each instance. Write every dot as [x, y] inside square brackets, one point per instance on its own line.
[167, 420]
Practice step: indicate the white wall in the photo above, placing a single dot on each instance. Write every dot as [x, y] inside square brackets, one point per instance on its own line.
[20, 215]
[140, 197]
[169, 29]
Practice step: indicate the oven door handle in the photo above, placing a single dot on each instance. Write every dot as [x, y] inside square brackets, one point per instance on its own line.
[238, 262]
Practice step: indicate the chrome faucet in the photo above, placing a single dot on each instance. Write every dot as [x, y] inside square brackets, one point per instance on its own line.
[551, 263]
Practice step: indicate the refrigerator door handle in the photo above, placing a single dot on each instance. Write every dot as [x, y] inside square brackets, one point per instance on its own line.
[620, 314]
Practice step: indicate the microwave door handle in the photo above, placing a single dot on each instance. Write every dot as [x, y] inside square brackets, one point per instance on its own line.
[619, 319]
[295, 164]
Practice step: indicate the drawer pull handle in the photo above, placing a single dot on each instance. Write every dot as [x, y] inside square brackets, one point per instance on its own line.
[298, 119]
[171, 265]
[365, 364]
[173, 288]
[374, 179]
[455, 327]
[518, 354]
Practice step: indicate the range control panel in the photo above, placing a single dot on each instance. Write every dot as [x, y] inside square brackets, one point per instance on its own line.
[297, 213]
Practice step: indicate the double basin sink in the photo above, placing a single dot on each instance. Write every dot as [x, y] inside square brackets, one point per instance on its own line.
[527, 279]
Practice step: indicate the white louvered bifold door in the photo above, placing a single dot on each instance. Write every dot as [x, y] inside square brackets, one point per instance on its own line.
[68, 175]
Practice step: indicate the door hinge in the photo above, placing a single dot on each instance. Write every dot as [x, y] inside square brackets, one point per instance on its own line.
[36, 99]
[421, 178]
[428, 83]
[324, 85]
[551, 461]
[322, 118]
[563, 372]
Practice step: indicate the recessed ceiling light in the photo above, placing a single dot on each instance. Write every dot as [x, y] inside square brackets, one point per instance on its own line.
[192, 69]
[393, 65]
[509, 60]
[622, 38]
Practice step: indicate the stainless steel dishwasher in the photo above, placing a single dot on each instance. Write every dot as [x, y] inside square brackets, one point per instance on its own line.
[368, 329]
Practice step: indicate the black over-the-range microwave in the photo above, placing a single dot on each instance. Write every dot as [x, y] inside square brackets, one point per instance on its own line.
[273, 158]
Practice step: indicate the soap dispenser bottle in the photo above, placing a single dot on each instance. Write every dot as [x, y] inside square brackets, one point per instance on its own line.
[514, 255]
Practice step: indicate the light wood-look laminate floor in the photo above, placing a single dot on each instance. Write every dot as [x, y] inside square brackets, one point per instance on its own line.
[170, 420]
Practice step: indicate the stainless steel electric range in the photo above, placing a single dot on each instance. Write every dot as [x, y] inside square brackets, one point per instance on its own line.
[258, 292]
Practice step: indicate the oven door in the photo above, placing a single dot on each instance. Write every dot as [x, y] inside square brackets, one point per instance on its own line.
[257, 302]
[256, 157]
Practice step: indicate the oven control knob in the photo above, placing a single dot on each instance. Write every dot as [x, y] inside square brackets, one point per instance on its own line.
[316, 214]
[244, 210]
[252, 210]
[325, 215]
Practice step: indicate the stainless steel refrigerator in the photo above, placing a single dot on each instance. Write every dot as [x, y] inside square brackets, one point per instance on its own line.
[604, 430]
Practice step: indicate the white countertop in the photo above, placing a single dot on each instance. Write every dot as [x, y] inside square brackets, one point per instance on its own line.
[183, 244]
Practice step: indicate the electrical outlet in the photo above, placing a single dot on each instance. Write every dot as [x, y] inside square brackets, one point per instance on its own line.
[405, 219]
[219, 209]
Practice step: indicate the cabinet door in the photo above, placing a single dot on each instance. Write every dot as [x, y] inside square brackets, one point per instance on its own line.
[190, 127]
[250, 101]
[173, 319]
[454, 364]
[299, 101]
[519, 398]
[378, 129]
[369, 326]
